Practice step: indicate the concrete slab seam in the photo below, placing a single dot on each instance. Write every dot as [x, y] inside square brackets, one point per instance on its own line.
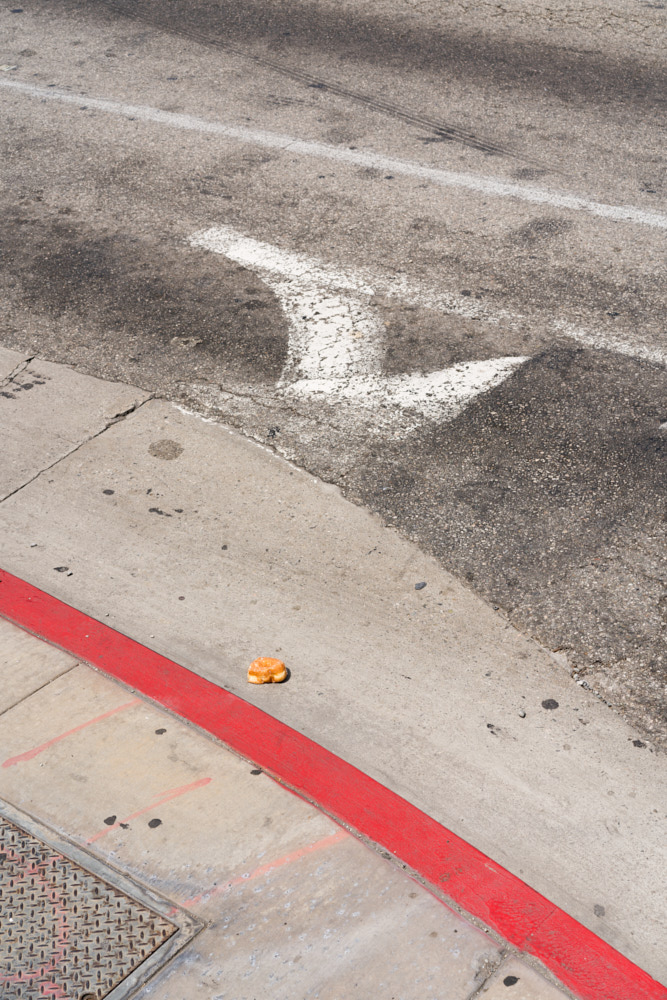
[41, 687]
[110, 422]
[17, 371]
[582, 961]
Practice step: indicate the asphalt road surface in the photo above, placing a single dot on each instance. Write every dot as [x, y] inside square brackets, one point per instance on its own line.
[416, 247]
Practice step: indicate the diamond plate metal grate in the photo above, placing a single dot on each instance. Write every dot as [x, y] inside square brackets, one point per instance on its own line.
[65, 932]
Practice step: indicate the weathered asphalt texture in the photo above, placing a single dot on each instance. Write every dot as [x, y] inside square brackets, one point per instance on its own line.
[548, 494]
[432, 39]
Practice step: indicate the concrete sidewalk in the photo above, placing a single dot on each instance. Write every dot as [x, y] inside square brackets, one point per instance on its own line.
[211, 550]
[285, 903]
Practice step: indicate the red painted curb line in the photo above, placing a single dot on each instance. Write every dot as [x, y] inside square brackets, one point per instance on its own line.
[581, 960]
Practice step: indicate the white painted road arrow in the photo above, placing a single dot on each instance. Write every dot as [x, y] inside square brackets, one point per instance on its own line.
[336, 338]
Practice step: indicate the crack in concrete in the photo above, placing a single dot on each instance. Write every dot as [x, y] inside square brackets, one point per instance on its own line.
[488, 971]
[91, 437]
[21, 366]
[30, 694]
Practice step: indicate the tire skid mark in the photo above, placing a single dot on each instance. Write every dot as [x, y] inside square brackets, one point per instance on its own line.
[478, 183]
[442, 131]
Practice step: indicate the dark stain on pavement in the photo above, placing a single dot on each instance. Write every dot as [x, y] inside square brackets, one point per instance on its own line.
[151, 295]
[23, 381]
[540, 230]
[166, 449]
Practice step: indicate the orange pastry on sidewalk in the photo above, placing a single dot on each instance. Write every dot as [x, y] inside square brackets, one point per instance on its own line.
[266, 670]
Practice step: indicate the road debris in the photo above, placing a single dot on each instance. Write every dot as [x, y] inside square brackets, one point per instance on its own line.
[267, 670]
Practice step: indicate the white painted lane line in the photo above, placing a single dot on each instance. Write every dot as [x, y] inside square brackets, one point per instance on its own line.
[618, 343]
[333, 333]
[254, 253]
[492, 186]
[365, 283]
[331, 336]
[409, 400]
[336, 339]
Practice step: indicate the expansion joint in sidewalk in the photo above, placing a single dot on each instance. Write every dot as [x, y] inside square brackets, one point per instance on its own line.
[27, 697]
[489, 971]
[21, 366]
[116, 418]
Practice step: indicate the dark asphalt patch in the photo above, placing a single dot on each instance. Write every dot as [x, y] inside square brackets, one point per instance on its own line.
[427, 340]
[178, 314]
[549, 496]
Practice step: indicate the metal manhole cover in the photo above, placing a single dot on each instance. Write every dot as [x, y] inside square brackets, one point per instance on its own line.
[71, 930]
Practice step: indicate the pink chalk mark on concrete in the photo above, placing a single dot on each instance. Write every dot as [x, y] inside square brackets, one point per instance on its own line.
[160, 800]
[29, 754]
[287, 859]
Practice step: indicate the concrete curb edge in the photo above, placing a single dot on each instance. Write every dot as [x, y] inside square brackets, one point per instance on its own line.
[581, 960]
